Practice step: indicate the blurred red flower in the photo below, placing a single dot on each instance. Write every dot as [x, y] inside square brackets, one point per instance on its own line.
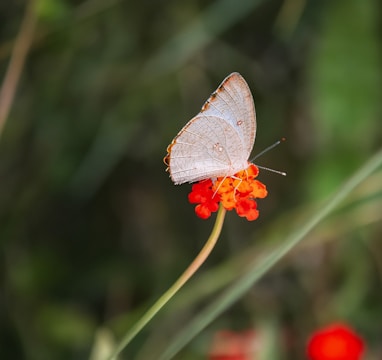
[228, 345]
[335, 342]
[233, 192]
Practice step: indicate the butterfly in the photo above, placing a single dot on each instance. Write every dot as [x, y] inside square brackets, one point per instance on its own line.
[218, 141]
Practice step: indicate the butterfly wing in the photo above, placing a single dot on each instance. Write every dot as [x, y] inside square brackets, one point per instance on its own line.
[218, 141]
[233, 102]
[207, 147]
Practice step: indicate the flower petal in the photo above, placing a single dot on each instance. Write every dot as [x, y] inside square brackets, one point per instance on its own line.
[335, 342]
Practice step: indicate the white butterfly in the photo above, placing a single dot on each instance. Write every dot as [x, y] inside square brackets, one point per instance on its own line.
[218, 141]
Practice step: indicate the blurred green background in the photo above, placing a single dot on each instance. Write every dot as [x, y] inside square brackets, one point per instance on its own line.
[92, 229]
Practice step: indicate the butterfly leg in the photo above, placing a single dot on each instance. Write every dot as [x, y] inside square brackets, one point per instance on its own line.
[220, 184]
[237, 186]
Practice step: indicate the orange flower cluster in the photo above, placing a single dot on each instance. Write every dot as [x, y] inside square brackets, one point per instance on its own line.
[233, 192]
[335, 342]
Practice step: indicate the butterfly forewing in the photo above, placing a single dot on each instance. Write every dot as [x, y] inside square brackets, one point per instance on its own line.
[217, 141]
[233, 102]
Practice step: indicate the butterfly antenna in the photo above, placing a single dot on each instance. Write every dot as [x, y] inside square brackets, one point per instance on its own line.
[272, 170]
[266, 150]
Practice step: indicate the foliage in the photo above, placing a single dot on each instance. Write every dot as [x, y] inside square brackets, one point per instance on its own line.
[93, 230]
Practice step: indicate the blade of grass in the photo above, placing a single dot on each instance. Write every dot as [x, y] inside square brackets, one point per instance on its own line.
[198, 34]
[257, 270]
[16, 63]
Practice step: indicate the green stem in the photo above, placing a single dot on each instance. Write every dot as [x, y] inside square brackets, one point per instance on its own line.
[162, 301]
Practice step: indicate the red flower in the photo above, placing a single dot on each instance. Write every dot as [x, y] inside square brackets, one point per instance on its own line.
[207, 199]
[234, 192]
[247, 208]
[335, 342]
[228, 345]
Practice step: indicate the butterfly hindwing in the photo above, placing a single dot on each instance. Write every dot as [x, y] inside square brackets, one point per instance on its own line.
[206, 148]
